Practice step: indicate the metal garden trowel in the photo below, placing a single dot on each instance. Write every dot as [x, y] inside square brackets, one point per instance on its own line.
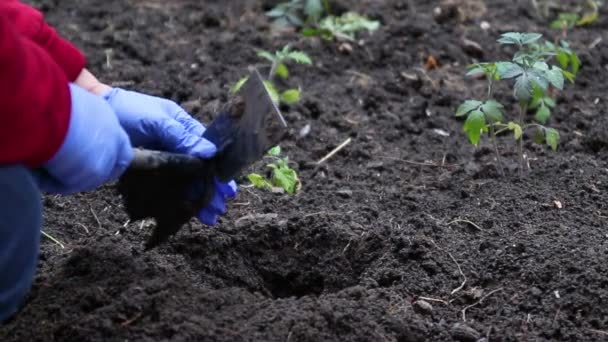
[172, 188]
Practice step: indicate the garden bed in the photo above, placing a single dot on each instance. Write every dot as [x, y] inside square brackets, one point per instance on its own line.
[407, 234]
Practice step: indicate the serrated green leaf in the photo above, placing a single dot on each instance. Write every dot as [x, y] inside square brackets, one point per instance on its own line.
[576, 63]
[555, 77]
[552, 138]
[492, 110]
[258, 181]
[299, 57]
[529, 38]
[516, 128]
[563, 58]
[508, 70]
[276, 12]
[519, 38]
[568, 75]
[475, 125]
[281, 70]
[238, 85]
[275, 151]
[523, 88]
[286, 178]
[467, 106]
[542, 114]
[510, 38]
[267, 55]
[290, 96]
[541, 65]
[539, 78]
[294, 19]
[475, 71]
[537, 96]
[313, 9]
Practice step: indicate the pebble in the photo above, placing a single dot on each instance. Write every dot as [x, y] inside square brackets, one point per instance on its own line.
[464, 333]
[423, 307]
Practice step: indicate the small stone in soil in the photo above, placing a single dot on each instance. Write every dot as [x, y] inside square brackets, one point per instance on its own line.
[464, 333]
[423, 307]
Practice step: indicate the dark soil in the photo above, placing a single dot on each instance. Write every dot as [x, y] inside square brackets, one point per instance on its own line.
[351, 256]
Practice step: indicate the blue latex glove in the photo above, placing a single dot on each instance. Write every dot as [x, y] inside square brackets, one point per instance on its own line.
[96, 149]
[156, 123]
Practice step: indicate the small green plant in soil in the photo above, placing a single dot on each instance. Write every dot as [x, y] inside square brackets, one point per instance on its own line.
[282, 176]
[298, 12]
[344, 27]
[536, 85]
[278, 67]
[566, 21]
[315, 19]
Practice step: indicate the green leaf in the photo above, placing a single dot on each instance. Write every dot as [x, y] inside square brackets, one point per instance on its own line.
[278, 11]
[523, 88]
[552, 138]
[519, 38]
[542, 114]
[541, 65]
[258, 181]
[529, 38]
[576, 63]
[272, 91]
[568, 75]
[295, 20]
[516, 128]
[467, 106]
[238, 85]
[285, 177]
[313, 9]
[549, 102]
[290, 96]
[282, 71]
[299, 57]
[475, 125]
[538, 136]
[508, 70]
[510, 38]
[475, 71]
[267, 55]
[555, 77]
[492, 110]
[537, 96]
[275, 151]
[563, 58]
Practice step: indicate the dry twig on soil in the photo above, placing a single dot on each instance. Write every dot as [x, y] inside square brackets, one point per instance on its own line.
[334, 151]
[464, 311]
[464, 281]
[466, 221]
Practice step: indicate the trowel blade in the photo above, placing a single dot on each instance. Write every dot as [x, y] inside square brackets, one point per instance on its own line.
[243, 137]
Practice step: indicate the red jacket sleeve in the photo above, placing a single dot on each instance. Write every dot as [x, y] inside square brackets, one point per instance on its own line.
[30, 23]
[35, 100]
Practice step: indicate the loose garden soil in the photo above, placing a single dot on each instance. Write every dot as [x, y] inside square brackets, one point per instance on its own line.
[407, 234]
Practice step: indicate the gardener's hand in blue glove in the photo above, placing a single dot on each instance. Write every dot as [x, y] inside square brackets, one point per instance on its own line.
[96, 148]
[157, 123]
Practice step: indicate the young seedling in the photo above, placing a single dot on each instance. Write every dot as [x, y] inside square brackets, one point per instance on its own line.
[278, 67]
[298, 12]
[535, 83]
[282, 176]
[344, 27]
[568, 20]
